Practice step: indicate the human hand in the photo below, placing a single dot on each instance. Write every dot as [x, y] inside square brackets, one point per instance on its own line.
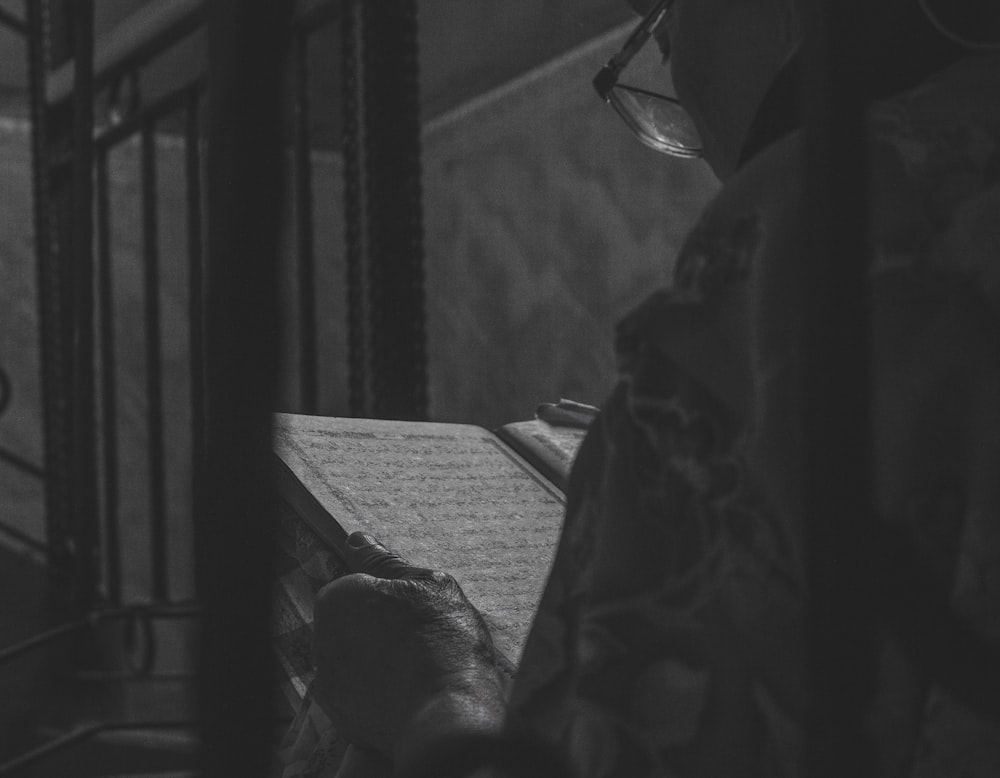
[402, 657]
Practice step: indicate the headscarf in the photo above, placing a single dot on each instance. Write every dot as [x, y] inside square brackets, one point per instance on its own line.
[972, 24]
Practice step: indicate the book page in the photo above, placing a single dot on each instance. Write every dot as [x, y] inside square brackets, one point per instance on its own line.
[550, 448]
[446, 496]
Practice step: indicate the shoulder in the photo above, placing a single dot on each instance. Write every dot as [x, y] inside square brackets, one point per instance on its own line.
[933, 164]
[748, 218]
[700, 322]
[932, 158]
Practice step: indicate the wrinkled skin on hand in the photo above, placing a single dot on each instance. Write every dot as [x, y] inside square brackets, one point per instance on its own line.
[401, 655]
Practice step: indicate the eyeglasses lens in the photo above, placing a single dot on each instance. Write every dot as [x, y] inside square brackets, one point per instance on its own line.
[660, 123]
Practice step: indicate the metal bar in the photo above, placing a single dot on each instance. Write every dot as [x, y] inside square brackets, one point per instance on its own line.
[41, 639]
[22, 464]
[196, 278]
[13, 22]
[304, 229]
[55, 368]
[387, 129]
[837, 486]
[154, 366]
[176, 100]
[109, 380]
[236, 509]
[356, 213]
[23, 538]
[82, 734]
[5, 391]
[141, 36]
[399, 348]
[9, 457]
[50, 747]
[163, 611]
[85, 506]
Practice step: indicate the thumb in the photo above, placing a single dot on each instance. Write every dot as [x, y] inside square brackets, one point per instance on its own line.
[365, 554]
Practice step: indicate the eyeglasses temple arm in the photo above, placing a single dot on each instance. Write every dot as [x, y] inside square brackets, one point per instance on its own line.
[606, 79]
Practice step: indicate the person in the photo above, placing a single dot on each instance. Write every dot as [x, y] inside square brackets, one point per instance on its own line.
[669, 640]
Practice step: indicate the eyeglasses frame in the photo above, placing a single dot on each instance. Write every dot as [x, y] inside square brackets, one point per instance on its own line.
[607, 78]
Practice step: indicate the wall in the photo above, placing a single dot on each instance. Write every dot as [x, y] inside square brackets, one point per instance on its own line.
[545, 221]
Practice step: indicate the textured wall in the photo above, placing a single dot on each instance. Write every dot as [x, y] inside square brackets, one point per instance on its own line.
[545, 222]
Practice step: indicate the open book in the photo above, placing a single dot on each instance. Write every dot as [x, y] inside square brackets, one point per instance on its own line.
[486, 508]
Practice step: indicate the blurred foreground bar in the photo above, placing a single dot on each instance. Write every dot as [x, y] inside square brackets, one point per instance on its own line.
[836, 425]
[234, 503]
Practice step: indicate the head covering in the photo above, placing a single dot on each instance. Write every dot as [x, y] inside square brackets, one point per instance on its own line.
[973, 24]
[910, 39]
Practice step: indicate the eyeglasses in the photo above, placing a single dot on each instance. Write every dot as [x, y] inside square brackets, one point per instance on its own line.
[657, 120]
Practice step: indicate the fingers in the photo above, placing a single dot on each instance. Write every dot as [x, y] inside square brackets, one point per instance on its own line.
[365, 554]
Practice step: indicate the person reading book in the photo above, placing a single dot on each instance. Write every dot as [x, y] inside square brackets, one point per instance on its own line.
[669, 638]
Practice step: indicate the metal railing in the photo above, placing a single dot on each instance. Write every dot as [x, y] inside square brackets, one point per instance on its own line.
[230, 344]
[385, 311]
[77, 278]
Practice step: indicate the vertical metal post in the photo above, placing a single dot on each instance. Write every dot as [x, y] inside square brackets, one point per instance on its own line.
[837, 488]
[388, 351]
[154, 367]
[356, 214]
[109, 379]
[196, 281]
[52, 312]
[84, 463]
[235, 507]
[304, 227]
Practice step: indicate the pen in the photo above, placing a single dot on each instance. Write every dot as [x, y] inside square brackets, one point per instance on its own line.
[567, 413]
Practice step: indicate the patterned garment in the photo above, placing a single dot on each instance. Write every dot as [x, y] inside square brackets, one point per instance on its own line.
[311, 748]
[669, 639]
